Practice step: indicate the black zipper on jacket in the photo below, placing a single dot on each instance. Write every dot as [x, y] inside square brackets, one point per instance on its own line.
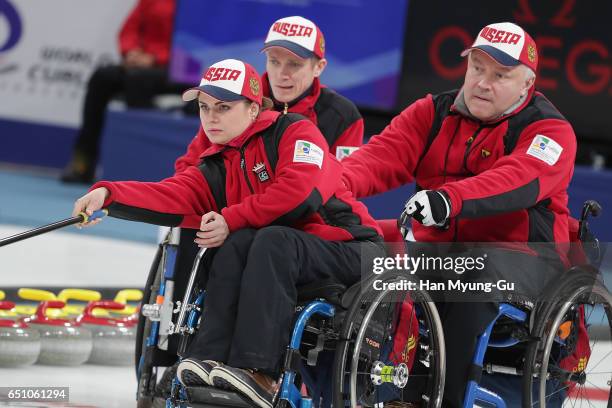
[244, 170]
[448, 151]
[468, 145]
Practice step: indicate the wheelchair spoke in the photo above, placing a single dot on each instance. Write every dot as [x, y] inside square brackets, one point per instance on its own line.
[578, 396]
[600, 323]
[590, 405]
[574, 402]
[607, 354]
[599, 388]
[588, 315]
[583, 391]
[546, 397]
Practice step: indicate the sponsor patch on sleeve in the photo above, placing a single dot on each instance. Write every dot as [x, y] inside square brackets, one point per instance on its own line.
[344, 151]
[307, 152]
[545, 149]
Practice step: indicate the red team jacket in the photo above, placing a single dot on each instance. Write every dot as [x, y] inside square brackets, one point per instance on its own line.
[149, 27]
[507, 180]
[335, 116]
[302, 189]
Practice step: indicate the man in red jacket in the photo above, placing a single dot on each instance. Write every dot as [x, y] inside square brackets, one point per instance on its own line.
[295, 59]
[144, 43]
[492, 162]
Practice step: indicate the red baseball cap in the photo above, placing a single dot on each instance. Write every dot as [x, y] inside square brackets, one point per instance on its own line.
[298, 35]
[228, 80]
[508, 44]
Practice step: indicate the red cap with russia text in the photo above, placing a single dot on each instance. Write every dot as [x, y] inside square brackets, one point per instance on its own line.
[298, 35]
[508, 44]
[228, 80]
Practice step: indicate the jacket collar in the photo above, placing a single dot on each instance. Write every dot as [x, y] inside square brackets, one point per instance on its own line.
[303, 104]
[460, 107]
[263, 121]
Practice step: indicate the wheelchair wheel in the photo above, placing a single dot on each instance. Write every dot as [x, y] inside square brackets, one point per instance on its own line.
[571, 364]
[144, 373]
[144, 325]
[391, 348]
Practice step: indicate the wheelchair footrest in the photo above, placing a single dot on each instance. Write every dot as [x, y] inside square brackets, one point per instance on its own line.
[215, 397]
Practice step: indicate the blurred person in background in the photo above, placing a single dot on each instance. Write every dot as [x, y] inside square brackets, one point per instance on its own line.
[144, 44]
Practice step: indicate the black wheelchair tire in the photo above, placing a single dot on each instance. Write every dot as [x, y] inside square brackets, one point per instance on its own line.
[579, 287]
[145, 389]
[342, 359]
[147, 299]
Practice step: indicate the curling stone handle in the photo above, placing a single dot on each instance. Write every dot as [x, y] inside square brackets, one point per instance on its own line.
[38, 295]
[101, 304]
[41, 311]
[83, 295]
[127, 295]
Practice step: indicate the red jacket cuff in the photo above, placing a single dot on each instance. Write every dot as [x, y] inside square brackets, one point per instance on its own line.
[233, 219]
[455, 201]
[108, 186]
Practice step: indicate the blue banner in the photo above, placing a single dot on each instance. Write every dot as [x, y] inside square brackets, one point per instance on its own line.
[363, 39]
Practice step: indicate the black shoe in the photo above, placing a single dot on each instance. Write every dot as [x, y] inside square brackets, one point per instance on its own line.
[257, 387]
[81, 169]
[164, 386]
[193, 372]
[73, 175]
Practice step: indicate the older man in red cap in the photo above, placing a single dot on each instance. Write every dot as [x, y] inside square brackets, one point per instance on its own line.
[492, 162]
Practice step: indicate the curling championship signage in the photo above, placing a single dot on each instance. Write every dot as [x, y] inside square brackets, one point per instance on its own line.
[48, 51]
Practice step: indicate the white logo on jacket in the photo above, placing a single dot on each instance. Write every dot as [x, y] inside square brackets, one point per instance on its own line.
[544, 148]
[307, 152]
[345, 151]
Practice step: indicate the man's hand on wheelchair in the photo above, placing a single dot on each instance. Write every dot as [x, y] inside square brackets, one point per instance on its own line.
[213, 231]
[429, 207]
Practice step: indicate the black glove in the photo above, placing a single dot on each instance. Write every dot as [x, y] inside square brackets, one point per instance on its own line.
[429, 207]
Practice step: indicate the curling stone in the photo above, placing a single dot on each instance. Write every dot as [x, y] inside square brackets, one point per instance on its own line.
[7, 313]
[73, 310]
[36, 295]
[128, 295]
[19, 344]
[114, 339]
[63, 341]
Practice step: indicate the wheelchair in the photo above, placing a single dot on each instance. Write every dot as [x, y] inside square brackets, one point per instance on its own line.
[347, 344]
[565, 340]
[361, 346]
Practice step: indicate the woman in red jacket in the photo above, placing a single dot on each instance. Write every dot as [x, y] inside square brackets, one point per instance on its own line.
[274, 206]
